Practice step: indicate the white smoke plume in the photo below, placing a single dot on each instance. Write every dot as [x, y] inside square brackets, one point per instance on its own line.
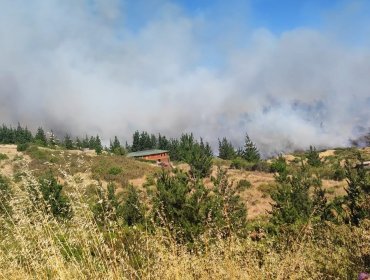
[87, 67]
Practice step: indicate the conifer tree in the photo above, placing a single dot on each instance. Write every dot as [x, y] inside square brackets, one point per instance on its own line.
[313, 157]
[40, 137]
[97, 145]
[226, 149]
[250, 152]
[68, 144]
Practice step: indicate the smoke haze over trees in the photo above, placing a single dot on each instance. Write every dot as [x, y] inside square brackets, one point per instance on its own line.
[113, 67]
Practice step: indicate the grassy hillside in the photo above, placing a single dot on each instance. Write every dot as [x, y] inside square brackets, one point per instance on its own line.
[36, 244]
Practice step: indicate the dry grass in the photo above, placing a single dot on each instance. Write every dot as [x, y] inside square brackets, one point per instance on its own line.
[36, 246]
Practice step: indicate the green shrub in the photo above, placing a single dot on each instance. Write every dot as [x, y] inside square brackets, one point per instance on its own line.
[243, 184]
[262, 166]
[21, 147]
[3, 156]
[242, 164]
[115, 170]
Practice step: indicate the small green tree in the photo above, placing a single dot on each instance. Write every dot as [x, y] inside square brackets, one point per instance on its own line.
[115, 147]
[107, 208]
[226, 149]
[200, 160]
[56, 202]
[292, 202]
[97, 145]
[358, 191]
[250, 152]
[68, 143]
[313, 157]
[5, 195]
[133, 211]
[40, 137]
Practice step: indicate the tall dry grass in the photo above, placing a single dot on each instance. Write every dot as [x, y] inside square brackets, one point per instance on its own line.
[34, 245]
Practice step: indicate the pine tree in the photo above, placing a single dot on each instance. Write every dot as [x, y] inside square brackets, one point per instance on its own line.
[68, 144]
[250, 152]
[136, 142]
[226, 149]
[132, 208]
[313, 157]
[40, 137]
[358, 192]
[115, 147]
[97, 145]
[78, 143]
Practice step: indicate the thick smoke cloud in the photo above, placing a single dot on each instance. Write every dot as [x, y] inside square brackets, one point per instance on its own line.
[78, 66]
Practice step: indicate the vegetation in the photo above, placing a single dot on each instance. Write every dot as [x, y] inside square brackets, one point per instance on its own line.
[84, 220]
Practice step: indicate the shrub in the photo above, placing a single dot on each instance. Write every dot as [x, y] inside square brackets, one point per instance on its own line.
[243, 184]
[242, 164]
[55, 201]
[115, 170]
[3, 156]
[5, 194]
[21, 147]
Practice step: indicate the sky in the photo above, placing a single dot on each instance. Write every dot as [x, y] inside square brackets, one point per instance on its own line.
[289, 73]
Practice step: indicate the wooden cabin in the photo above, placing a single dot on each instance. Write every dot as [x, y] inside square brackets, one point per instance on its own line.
[160, 156]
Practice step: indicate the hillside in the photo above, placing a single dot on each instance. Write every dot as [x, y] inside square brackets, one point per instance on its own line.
[93, 245]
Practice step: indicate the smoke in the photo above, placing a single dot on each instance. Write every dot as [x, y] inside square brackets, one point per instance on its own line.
[86, 67]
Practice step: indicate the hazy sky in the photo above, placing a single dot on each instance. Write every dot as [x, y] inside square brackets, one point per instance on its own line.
[290, 73]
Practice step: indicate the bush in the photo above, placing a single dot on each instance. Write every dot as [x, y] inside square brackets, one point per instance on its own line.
[115, 170]
[55, 201]
[21, 147]
[3, 156]
[262, 166]
[242, 164]
[243, 184]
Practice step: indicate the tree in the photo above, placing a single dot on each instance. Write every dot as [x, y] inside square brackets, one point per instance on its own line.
[5, 195]
[313, 157]
[190, 209]
[40, 137]
[292, 202]
[68, 144]
[107, 207]
[136, 142]
[358, 191]
[132, 208]
[115, 147]
[226, 149]
[200, 159]
[97, 145]
[250, 152]
[55, 201]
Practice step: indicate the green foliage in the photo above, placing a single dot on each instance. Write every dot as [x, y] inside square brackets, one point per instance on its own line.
[242, 164]
[107, 207]
[191, 209]
[40, 137]
[280, 167]
[339, 173]
[68, 143]
[56, 202]
[143, 141]
[21, 147]
[292, 202]
[243, 184]
[313, 158]
[116, 148]
[5, 195]
[97, 145]
[133, 210]
[3, 156]
[115, 170]
[250, 152]
[200, 160]
[226, 149]
[358, 192]
[9, 135]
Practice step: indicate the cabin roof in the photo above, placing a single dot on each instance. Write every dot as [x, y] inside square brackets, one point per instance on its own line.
[146, 153]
